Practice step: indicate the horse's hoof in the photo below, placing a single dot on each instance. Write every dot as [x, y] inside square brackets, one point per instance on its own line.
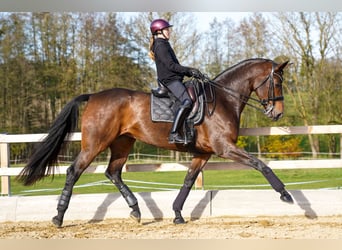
[135, 215]
[286, 197]
[57, 222]
[179, 220]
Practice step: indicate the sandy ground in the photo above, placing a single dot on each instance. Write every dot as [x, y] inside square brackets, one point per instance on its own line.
[294, 227]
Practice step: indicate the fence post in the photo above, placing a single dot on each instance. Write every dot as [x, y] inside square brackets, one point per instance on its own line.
[4, 163]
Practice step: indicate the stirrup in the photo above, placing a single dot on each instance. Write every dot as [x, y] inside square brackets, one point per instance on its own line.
[176, 138]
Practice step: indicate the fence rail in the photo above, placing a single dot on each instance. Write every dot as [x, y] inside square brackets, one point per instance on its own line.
[6, 140]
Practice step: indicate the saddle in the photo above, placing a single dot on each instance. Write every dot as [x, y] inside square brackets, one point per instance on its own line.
[163, 107]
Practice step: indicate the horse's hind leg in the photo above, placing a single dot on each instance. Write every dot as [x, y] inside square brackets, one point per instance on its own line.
[195, 168]
[120, 149]
[73, 174]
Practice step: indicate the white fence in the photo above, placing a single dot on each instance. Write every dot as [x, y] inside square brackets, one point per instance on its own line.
[6, 171]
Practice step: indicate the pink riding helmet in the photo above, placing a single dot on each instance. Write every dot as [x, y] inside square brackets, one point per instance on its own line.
[159, 24]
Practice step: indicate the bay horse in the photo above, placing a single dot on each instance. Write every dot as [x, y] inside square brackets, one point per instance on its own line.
[117, 117]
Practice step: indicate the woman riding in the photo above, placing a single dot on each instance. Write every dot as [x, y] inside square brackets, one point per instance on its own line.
[170, 74]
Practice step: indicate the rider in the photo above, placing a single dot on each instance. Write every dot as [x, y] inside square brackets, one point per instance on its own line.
[170, 74]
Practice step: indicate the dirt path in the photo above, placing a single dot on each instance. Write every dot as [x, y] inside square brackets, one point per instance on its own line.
[296, 227]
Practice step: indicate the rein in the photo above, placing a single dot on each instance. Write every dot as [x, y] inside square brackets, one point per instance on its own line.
[245, 98]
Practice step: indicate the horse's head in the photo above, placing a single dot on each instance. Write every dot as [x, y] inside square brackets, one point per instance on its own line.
[269, 89]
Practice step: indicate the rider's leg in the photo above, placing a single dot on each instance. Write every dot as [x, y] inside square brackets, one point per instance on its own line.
[181, 114]
[179, 91]
[160, 91]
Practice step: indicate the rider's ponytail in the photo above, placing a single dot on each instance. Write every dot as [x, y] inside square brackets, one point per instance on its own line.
[151, 53]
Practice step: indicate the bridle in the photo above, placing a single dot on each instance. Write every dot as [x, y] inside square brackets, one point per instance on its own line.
[268, 107]
[271, 95]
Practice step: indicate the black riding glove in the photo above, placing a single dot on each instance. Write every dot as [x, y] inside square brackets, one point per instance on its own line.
[195, 73]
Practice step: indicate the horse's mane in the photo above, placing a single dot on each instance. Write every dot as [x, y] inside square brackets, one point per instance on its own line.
[240, 64]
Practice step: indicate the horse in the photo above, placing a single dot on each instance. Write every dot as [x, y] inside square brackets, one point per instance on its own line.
[116, 118]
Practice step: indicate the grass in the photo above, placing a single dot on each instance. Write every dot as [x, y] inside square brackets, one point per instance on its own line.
[213, 180]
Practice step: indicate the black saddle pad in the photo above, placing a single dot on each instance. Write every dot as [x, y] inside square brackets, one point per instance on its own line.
[163, 109]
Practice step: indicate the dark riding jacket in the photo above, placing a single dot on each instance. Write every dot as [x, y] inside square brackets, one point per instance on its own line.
[168, 67]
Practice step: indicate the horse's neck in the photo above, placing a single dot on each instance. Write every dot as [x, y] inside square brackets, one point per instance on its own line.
[237, 87]
[233, 96]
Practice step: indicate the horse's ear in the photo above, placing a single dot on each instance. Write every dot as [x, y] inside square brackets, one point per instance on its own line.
[281, 66]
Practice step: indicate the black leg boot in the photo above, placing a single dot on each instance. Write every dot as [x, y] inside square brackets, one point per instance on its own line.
[180, 116]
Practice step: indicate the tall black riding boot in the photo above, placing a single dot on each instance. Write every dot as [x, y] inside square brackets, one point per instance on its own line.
[180, 116]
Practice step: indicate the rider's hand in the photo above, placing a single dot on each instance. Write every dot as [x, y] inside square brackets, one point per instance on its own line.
[196, 73]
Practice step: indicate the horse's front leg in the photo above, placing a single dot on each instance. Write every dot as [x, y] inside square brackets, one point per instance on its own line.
[195, 168]
[242, 156]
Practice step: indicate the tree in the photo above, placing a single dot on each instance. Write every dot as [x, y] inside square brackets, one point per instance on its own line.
[254, 36]
[15, 73]
[282, 147]
[48, 58]
[215, 57]
[307, 39]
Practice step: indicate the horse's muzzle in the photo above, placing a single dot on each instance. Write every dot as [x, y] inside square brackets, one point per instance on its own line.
[272, 113]
[277, 116]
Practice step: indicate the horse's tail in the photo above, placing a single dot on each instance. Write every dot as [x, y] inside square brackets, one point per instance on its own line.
[42, 161]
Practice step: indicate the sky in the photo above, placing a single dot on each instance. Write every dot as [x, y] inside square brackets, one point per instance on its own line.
[203, 19]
